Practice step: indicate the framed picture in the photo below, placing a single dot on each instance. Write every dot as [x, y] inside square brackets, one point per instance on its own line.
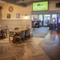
[8, 15]
[17, 15]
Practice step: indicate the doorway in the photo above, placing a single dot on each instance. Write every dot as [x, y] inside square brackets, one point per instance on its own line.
[46, 20]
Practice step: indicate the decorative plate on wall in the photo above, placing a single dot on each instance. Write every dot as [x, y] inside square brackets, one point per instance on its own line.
[10, 8]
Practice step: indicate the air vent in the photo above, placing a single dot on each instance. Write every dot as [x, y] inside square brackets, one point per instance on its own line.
[58, 4]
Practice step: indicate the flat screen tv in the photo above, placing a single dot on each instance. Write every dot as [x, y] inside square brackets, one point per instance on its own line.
[40, 6]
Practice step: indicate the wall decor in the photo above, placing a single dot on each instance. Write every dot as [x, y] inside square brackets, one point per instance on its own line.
[17, 15]
[10, 9]
[8, 15]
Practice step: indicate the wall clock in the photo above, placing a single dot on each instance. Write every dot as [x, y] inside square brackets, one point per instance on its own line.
[10, 9]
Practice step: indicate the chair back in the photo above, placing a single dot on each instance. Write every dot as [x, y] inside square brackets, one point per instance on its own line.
[5, 26]
[11, 34]
[0, 33]
[27, 32]
[16, 28]
[22, 34]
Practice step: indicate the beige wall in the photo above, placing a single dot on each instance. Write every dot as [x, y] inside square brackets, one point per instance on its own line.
[16, 9]
[13, 21]
[52, 5]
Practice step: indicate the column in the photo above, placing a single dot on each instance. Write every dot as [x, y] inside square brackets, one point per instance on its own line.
[0, 15]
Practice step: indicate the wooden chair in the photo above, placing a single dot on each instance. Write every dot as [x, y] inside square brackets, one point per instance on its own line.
[27, 33]
[11, 35]
[5, 32]
[31, 32]
[20, 36]
[0, 34]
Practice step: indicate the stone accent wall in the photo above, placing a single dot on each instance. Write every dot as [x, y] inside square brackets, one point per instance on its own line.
[11, 24]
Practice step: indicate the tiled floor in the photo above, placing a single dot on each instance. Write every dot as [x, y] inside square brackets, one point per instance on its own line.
[32, 49]
[51, 45]
[28, 50]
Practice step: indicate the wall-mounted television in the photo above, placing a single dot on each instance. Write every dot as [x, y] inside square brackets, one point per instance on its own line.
[40, 6]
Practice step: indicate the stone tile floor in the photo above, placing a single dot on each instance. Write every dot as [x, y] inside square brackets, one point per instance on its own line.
[28, 50]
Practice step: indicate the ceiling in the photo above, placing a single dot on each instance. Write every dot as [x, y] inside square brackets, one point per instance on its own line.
[2, 3]
[23, 3]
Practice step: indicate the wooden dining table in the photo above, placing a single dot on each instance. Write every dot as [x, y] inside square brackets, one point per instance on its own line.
[2, 28]
[16, 31]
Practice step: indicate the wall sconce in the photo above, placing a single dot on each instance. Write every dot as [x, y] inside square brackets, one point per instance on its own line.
[25, 17]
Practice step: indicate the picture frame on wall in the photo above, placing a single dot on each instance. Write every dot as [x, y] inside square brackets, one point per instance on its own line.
[17, 15]
[8, 15]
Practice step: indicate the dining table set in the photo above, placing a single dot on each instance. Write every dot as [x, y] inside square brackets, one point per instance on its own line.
[19, 34]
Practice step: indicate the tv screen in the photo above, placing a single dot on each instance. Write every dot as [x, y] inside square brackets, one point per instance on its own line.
[40, 6]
